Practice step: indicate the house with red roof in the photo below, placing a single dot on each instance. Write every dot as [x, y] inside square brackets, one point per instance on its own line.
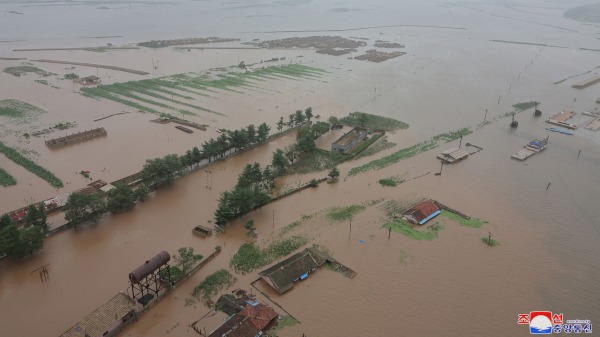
[422, 212]
[250, 322]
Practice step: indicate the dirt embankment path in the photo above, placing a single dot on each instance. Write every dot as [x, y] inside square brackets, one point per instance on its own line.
[133, 71]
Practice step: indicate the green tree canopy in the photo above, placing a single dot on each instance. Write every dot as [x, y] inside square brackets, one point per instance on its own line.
[186, 258]
[308, 113]
[120, 198]
[81, 208]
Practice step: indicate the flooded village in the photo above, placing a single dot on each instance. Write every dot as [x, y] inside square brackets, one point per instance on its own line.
[298, 168]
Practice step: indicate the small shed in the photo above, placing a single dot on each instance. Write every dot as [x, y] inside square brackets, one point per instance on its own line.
[422, 212]
[347, 142]
[453, 155]
[90, 80]
[229, 304]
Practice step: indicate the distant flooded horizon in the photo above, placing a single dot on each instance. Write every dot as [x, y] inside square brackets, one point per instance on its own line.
[466, 65]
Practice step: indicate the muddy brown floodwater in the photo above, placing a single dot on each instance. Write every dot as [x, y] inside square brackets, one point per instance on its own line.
[450, 286]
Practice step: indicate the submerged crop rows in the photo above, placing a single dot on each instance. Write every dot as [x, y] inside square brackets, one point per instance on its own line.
[174, 93]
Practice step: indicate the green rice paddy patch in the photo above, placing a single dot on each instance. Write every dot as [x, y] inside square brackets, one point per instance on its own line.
[30, 166]
[250, 256]
[373, 122]
[379, 146]
[25, 69]
[15, 109]
[525, 106]
[170, 92]
[344, 213]
[473, 222]
[317, 160]
[213, 283]
[367, 143]
[391, 182]
[6, 179]
[403, 257]
[409, 151]
[400, 226]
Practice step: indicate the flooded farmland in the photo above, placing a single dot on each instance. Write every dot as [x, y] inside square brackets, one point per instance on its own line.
[466, 65]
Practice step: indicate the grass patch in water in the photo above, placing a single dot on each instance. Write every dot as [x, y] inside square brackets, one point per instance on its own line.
[317, 160]
[410, 151]
[400, 226]
[381, 145]
[344, 213]
[250, 257]
[6, 179]
[373, 122]
[30, 166]
[525, 106]
[473, 222]
[213, 283]
[15, 109]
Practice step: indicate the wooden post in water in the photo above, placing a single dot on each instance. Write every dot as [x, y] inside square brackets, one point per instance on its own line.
[485, 117]
[350, 233]
[389, 232]
[547, 187]
[578, 153]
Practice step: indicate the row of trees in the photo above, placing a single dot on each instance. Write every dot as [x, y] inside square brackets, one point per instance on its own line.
[82, 208]
[19, 241]
[251, 190]
[305, 143]
[249, 193]
[295, 119]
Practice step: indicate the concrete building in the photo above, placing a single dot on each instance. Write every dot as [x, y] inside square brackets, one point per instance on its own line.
[346, 143]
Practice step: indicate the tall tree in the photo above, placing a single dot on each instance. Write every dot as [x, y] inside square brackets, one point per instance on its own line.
[196, 155]
[141, 192]
[251, 131]
[81, 208]
[31, 240]
[334, 173]
[279, 162]
[5, 220]
[333, 120]
[120, 198]
[223, 144]
[291, 152]
[308, 113]
[186, 258]
[225, 211]
[291, 120]
[263, 132]
[320, 128]
[299, 117]
[10, 242]
[268, 178]
[280, 124]
[36, 216]
[305, 140]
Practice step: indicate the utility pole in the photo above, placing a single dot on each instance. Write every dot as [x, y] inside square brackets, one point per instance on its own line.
[460, 143]
[485, 117]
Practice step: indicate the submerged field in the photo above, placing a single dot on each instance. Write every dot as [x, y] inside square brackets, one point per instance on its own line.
[181, 93]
